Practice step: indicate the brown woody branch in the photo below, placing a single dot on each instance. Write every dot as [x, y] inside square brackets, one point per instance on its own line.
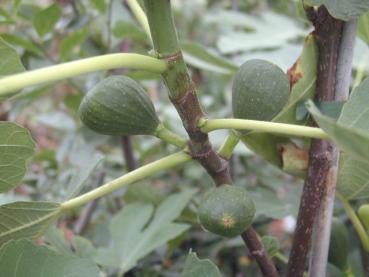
[322, 154]
[183, 95]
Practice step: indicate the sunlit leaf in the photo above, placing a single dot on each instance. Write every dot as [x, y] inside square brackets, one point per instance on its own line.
[22, 258]
[16, 146]
[26, 219]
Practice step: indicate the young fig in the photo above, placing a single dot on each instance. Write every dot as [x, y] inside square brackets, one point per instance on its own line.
[119, 106]
[227, 211]
[260, 90]
[339, 245]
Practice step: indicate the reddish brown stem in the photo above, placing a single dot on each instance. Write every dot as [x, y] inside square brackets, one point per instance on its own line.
[322, 153]
[251, 239]
[128, 154]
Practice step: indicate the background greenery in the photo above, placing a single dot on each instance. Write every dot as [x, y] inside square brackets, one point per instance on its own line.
[158, 227]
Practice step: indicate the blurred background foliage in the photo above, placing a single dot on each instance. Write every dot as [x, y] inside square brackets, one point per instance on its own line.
[217, 36]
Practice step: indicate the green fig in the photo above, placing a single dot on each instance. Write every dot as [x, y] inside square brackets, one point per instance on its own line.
[260, 91]
[119, 106]
[227, 211]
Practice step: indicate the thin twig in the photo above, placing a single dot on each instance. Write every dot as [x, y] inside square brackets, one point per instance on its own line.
[322, 229]
[86, 215]
[128, 154]
[322, 154]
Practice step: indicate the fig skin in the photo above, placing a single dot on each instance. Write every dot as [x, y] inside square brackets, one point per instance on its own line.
[227, 211]
[119, 106]
[260, 90]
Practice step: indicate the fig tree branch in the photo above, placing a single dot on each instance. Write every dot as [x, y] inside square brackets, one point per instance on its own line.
[322, 229]
[12, 83]
[323, 156]
[183, 95]
[86, 215]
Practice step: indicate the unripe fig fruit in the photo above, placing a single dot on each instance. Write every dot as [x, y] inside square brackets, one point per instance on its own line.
[339, 245]
[364, 215]
[227, 211]
[260, 91]
[118, 106]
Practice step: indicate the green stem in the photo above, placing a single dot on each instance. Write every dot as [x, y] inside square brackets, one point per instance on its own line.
[280, 256]
[140, 16]
[355, 222]
[131, 177]
[227, 148]
[62, 71]
[208, 125]
[168, 136]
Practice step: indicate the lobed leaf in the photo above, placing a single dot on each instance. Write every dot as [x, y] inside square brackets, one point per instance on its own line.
[134, 235]
[26, 219]
[22, 258]
[16, 146]
[195, 267]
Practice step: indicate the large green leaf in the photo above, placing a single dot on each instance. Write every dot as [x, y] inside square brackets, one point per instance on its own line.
[343, 9]
[363, 27]
[200, 57]
[353, 141]
[303, 75]
[45, 20]
[353, 178]
[22, 258]
[26, 219]
[134, 235]
[16, 146]
[351, 131]
[194, 267]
